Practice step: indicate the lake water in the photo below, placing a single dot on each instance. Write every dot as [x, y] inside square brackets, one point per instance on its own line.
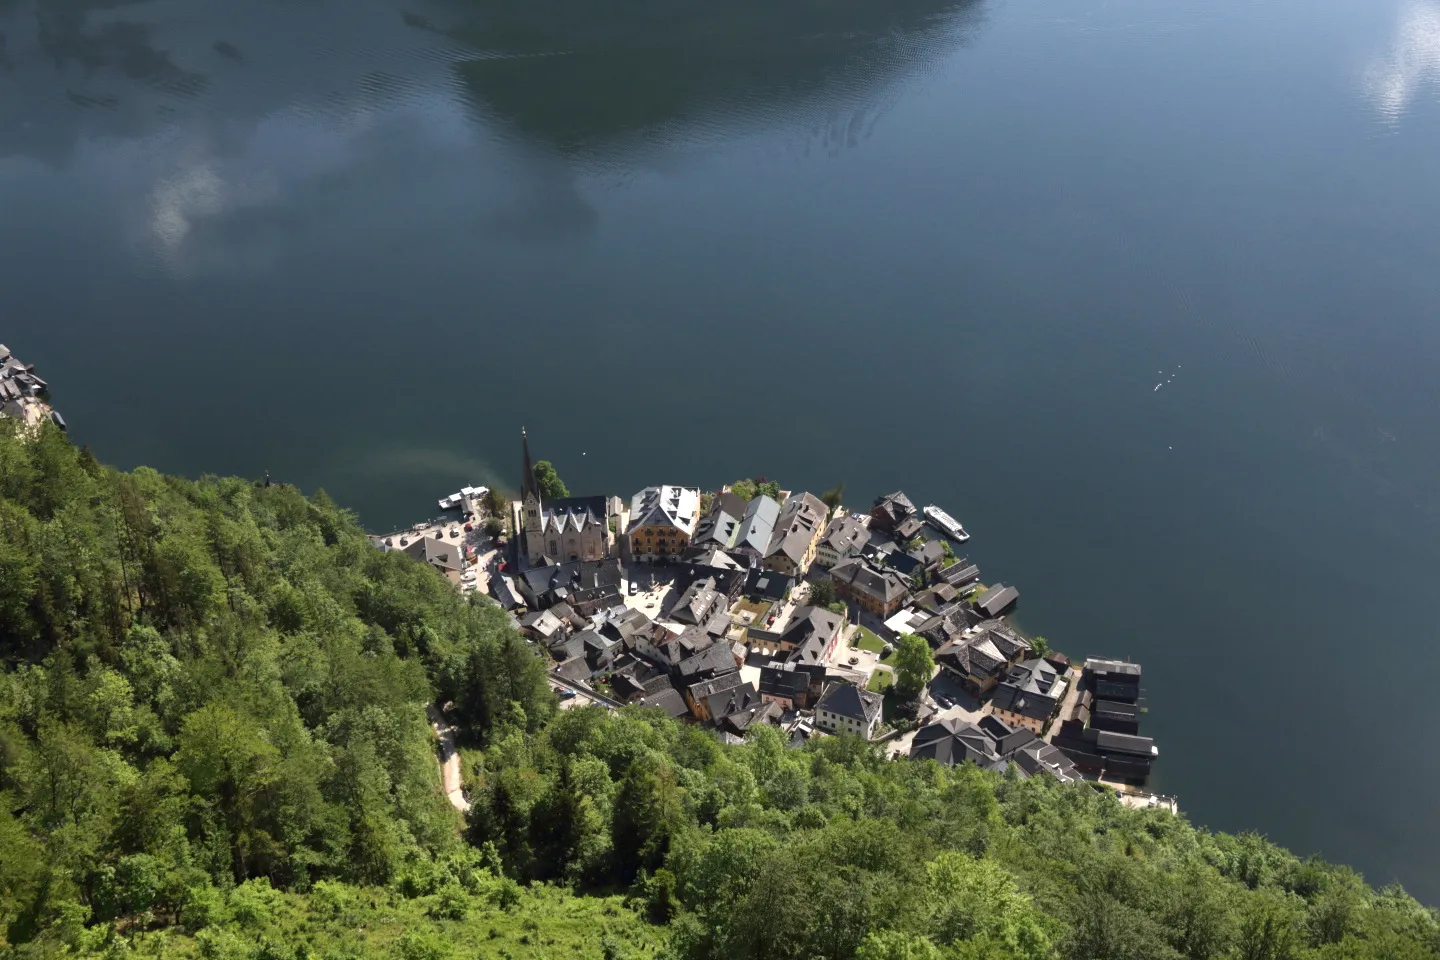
[1145, 293]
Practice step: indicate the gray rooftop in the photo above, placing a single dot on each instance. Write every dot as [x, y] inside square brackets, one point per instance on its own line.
[850, 701]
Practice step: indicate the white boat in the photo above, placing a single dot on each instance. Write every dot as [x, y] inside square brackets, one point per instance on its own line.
[947, 524]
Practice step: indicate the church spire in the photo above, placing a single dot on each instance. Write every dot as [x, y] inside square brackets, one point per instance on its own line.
[527, 479]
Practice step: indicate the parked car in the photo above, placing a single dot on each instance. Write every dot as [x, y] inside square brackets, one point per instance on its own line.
[567, 694]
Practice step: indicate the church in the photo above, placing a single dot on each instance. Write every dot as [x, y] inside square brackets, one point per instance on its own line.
[573, 528]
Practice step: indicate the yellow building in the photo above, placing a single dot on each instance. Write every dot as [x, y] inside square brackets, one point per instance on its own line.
[662, 522]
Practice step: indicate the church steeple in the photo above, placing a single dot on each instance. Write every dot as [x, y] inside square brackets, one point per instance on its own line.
[528, 486]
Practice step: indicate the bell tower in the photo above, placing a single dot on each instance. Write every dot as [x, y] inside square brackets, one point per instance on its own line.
[529, 489]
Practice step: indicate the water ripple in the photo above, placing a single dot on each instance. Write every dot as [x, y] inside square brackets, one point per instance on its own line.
[1412, 65]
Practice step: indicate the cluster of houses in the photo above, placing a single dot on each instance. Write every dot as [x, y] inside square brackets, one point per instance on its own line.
[702, 652]
[22, 391]
[698, 604]
[1100, 731]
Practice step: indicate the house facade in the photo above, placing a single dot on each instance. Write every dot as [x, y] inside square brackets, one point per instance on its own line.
[844, 708]
[796, 534]
[1029, 695]
[843, 537]
[662, 522]
[894, 514]
[444, 557]
[879, 590]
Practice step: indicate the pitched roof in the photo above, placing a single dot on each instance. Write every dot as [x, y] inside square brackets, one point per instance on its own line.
[989, 743]
[850, 701]
[1038, 756]
[784, 680]
[669, 700]
[997, 599]
[960, 573]
[953, 740]
[1003, 636]
[768, 584]
[572, 513]
[715, 659]
[757, 525]
[718, 529]
[697, 603]
[437, 553]
[797, 527]
[732, 700]
[1031, 690]
[896, 504]
[627, 624]
[730, 502]
[665, 506]
[712, 556]
[971, 656]
[504, 593]
[903, 563]
[701, 689]
[811, 625]
[542, 622]
[845, 534]
[862, 575]
[573, 575]
[742, 720]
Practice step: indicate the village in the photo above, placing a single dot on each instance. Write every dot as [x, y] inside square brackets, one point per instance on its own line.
[23, 394]
[755, 605]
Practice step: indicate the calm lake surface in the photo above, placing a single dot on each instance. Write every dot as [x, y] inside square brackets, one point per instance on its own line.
[947, 246]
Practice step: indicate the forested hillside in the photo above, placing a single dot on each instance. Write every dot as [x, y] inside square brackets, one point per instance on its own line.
[212, 743]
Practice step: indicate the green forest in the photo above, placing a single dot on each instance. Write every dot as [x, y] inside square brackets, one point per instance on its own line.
[213, 744]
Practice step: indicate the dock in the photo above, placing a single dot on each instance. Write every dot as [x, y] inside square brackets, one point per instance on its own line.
[1137, 799]
[464, 500]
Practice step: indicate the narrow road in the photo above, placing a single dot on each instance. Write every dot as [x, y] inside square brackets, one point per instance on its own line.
[449, 759]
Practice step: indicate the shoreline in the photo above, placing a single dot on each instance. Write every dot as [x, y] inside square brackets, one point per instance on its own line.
[885, 573]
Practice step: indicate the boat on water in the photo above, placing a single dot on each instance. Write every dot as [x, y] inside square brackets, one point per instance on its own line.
[457, 500]
[947, 524]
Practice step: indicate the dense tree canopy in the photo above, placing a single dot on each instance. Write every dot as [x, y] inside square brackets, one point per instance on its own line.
[750, 489]
[913, 665]
[549, 482]
[212, 744]
[209, 682]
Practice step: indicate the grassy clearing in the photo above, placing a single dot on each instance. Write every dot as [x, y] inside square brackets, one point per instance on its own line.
[865, 640]
[880, 681]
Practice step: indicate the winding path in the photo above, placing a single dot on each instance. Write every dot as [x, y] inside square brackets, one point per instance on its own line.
[449, 760]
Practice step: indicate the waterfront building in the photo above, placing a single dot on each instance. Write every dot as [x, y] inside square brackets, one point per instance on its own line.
[846, 536]
[662, 522]
[796, 535]
[568, 529]
[895, 514]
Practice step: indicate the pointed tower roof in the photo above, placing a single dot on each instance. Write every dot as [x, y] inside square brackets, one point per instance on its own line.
[527, 479]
